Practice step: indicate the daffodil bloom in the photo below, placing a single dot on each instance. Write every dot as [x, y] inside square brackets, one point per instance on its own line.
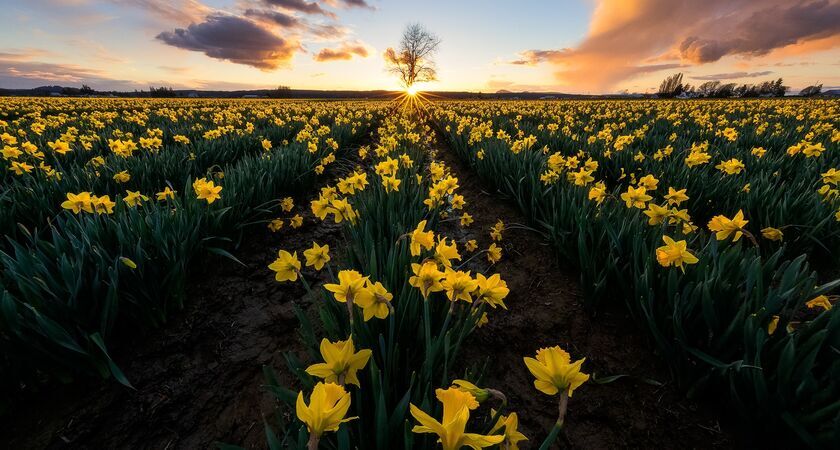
[78, 202]
[773, 234]
[657, 214]
[820, 301]
[122, 177]
[426, 277]
[421, 239]
[341, 362]
[496, 231]
[675, 197]
[444, 252]
[451, 430]
[351, 284]
[134, 198]
[391, 184]
[59, 147]
[598, 193]
[458, 285]
[321, 208]
[774, 323]
[512, 435]
[19, 168]
[317, 256]
[555, 372]
[723, 227]
[375, 301]
[674, 254]
[266, 144]
[166, 193]
[492, 290]
[466, 220]
[636, 197]
[731, 167]
[649, 182]
[276, 225]
[207, 190]
[471, 245]
[296, 221]
[286, 266]
[494, 253]
[326, 411]
[103, 204]
[287, 204]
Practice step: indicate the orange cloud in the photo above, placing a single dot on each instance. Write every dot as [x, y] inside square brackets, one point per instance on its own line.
[628, 38]
[344, 53]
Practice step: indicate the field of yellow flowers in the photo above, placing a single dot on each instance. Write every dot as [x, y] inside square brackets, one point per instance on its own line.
[712, 225]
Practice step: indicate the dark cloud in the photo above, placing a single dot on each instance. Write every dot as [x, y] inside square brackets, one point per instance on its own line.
[343, 53]
[301, 6]
[732, 75]
[350, 4]
[765, 30]
[275, 17]
[235, 39]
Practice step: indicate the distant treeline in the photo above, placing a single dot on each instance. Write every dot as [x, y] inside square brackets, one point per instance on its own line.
[673, 86]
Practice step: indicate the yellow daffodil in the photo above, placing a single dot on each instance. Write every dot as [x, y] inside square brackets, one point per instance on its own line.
[286, 266]
[820, 301]
[341, 362]
[427, 277]
[512, 435]
[317, 256]
[326, 411]
[773, 234]
[451, 430]
[421, 239]
[350, 283]
[674, 254]
[723, 227]
[78, 202]
[494, 253]
[492, 290]
[375, 301]
[636, 197]
[555, 372]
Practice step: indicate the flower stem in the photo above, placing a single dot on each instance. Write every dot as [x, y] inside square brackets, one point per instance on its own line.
[561, 419]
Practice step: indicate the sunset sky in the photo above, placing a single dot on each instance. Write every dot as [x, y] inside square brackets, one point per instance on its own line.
[576, 46]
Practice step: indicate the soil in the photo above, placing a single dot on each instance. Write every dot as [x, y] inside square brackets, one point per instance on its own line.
[545, 308]
[199, 379]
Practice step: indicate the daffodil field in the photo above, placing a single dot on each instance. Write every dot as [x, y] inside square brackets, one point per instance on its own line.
[104, 212]
[712, 221]
[714, 224]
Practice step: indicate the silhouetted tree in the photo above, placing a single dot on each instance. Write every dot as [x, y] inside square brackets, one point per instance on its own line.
[413, 61]
[86, 90]
[811, 91]
[671, 86]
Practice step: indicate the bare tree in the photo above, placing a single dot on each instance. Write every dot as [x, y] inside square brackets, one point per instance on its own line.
[413, 62]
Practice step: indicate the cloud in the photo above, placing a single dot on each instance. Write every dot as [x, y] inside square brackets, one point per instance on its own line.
[235, 39]
[731, 75]
[301, 6]
[350, 4]
[764, 30]
[171, 11]
[17, 72]
[275, 17]
[627, 38]
[343, 53]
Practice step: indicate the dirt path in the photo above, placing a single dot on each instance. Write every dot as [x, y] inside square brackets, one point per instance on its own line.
[546, 309]
[199, 379]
